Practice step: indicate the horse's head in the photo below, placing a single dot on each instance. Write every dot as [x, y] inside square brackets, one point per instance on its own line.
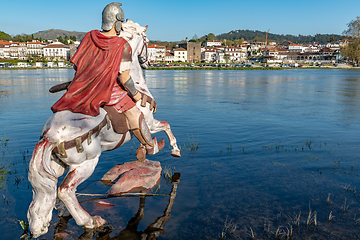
[136, 36]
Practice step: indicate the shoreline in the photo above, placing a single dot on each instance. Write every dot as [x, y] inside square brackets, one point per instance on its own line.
[206, 68]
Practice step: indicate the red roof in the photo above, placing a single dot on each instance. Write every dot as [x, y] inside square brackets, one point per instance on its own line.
[35, 42]
[56, 45]
[4, 42]
[156, 46]
[179, 49]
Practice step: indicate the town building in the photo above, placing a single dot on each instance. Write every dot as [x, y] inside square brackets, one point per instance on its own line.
[180, 55]
[57, 51]
[169, 57]
[156, 53]
[213, 43]
[35, 48]
[296, 48]
[193, 51]
[210, 55]
[4, 49]
[235, 54]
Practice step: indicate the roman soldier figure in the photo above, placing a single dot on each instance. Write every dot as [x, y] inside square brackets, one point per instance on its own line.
[102, 64]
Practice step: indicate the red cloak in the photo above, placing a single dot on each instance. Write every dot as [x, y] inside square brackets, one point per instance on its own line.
[97, 62]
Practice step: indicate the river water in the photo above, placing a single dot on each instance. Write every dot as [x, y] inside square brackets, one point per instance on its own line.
[265, 155]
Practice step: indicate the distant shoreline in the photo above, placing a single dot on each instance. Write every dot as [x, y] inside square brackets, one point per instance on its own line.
[203, 68]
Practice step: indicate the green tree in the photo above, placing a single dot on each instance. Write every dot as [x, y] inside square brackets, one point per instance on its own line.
[60, 39]
[353, 30]
[239, 41]
[210, 37]
[229, 43]
[352, 50]
[195, 38]
[227, 58]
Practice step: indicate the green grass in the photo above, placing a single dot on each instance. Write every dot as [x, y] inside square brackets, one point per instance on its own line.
[214, 68]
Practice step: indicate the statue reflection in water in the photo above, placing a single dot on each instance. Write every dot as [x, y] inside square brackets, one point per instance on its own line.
[153, 231]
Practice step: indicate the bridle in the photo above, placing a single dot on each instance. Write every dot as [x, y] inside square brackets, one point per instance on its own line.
[144, 48]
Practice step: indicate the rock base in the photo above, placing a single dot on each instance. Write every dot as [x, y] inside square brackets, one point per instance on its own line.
[132, 175]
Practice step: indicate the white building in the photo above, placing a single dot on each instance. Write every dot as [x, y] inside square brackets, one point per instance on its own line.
[14, 50]
[213, 43]
[209, 56]
[22, 64]
[180, 55]
[333, 45]
[296, 48]
[57, 51]
[169, 57]
[236, 54]
[4, 49]
[156, 53]
[35, 48]
[311, 49]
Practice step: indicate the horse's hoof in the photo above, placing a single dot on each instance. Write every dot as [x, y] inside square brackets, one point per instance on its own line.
[141, 153]
[156, 148]
[97, 222]
[175, 153]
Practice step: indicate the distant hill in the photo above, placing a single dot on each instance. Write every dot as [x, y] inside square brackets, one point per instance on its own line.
[251, 35]
[4, 36]
[55, 33]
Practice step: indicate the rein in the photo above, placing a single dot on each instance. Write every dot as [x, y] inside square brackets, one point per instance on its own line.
[141, 61]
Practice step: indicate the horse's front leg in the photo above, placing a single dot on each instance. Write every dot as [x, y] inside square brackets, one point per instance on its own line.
[158, 126]
[67, 193]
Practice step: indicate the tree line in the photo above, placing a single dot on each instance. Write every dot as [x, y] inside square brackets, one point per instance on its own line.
[259, 36]
[28, 38]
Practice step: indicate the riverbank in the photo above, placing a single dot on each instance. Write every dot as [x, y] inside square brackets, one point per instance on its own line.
[255, 67]
[214, 68]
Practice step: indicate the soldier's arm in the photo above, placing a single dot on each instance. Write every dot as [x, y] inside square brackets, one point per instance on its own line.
[124, 74]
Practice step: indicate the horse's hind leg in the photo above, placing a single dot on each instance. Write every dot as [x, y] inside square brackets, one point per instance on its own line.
[158, 126]
[66, 193]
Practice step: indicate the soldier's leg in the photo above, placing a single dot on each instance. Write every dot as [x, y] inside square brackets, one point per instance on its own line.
[138, 126]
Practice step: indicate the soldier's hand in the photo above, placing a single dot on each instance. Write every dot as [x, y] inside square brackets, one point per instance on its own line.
[137, 97]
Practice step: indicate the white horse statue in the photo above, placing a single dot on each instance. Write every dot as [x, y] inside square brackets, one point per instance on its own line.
[75, 141]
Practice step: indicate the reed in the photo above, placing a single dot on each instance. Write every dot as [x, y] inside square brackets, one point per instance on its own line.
[252, 235]
[345, 207]
[4, 141]
[229, 147]
[167, 173]
[328, 201]
[331, 216]
[296, 219]
[312, 217]
[192, 146]
[283, 233]
[357, 220]
[228, 230]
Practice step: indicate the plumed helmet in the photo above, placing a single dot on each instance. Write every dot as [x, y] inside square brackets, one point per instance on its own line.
[112, 14]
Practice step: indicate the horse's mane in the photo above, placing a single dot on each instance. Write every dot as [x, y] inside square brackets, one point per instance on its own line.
[130, 29]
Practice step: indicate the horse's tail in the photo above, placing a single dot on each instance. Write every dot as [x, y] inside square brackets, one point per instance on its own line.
[44, 183]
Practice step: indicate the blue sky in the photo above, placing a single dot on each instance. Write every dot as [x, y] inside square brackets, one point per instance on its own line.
[175, 20]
